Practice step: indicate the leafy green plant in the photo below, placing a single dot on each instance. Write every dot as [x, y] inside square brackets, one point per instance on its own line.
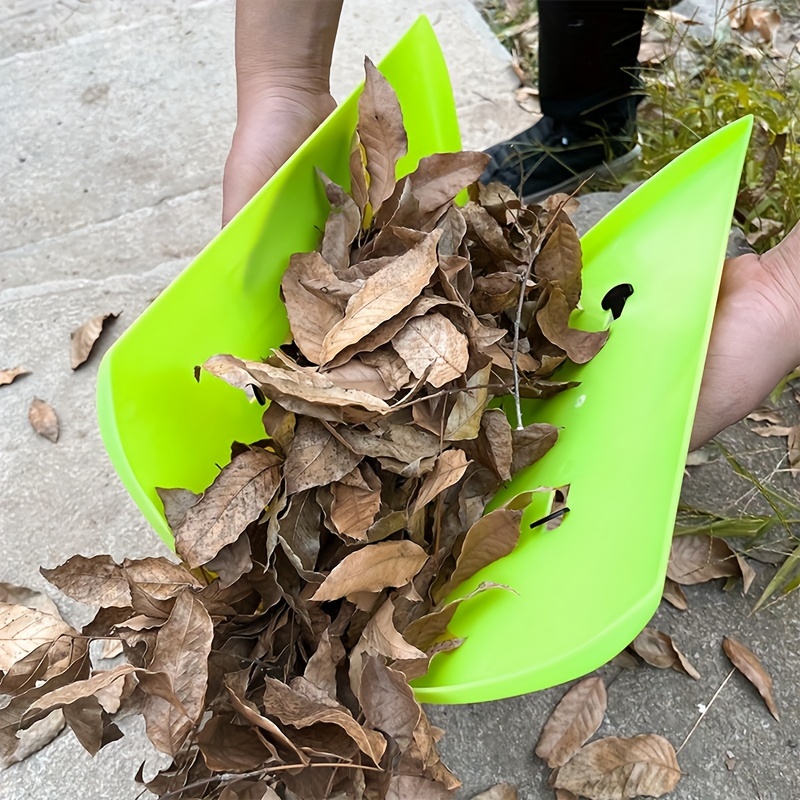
[707, 84]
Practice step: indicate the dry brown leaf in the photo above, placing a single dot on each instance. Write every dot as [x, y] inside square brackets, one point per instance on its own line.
[440, 177]
[231, 748]
[356, 374]
[450, 467]
[43, 419]
[381, 638]
[316, 458]
[699, 558]
[176, 503]
[560, 262]
[658, 650]
[746, 661]
[793, 439]
[24, 629]
[96, 581]
[303, 391]
[433, 348]
[160, 578]
[574, 720]
[464, 421]
[487, 231]
[73, 692]
[10, 375]
[580, 346]
[490, 538]
[748, 573]
[292, 708]
[674, 595]
[383, 295]
[502, 791]
[310, 316]
[237, 496]
[83, 339]
[761, 23]
[373, 568]
[341, 227]
[356, 502]
[181, 653]
[402, 442]
[619, 769]
[381, 132]
[388, 701]
[531, 443]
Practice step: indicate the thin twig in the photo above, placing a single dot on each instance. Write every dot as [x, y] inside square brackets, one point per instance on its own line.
[705, 711]
[521, 301]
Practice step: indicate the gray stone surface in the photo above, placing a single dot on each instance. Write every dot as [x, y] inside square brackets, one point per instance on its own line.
[134, 103]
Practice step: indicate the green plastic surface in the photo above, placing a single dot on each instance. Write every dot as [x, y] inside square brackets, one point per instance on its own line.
[582, 591]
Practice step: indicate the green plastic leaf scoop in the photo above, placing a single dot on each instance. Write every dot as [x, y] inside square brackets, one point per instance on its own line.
[581, 592]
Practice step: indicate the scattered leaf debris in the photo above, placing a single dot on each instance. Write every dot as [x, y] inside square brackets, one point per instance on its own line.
[10, 375]
[43, 419]
[83, 339]
[746, 661]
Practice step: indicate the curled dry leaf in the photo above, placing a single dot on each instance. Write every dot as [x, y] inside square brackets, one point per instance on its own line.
[10, 375]
[658, 650]
[43, 419]
[580, 346]
[382, 135]
[574, 721]
[620, 769]
[746, 661]
[83, 339]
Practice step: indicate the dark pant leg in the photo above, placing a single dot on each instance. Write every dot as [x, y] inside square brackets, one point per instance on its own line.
[588, 59]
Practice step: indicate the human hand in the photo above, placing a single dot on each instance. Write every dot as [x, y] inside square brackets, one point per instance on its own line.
[755, 340]
[271, 126]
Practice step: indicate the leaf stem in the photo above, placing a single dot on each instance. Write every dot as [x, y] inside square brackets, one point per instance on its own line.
[705, 711]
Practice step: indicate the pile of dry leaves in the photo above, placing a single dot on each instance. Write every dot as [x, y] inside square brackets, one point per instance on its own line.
[316, 569]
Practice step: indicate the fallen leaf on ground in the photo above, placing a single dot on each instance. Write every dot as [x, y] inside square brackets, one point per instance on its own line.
[698, 558]
[43, 419]
[674, 595]
[746, 661]
[83, 339]
[10, 375]
[620, 769]
[574, 721]
[658, 650]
